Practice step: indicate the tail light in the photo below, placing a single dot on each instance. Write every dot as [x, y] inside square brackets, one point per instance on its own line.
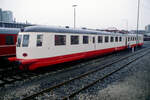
[25, 54]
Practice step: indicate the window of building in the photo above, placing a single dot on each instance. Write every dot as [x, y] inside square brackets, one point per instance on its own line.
[116, 39]
[19, 40]
[60, 39]
[39, 40]
[120, 39]
[93, 39]
[112, 39]
[9, 40]
[25, 41]
[74, 40]
[85, 39]
[100, 39]
[106, 39]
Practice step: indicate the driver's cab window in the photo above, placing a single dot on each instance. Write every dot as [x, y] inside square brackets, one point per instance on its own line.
[25, 41]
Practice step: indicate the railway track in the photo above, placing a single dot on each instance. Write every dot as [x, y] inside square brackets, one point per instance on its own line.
[10, 75]
[69, 88]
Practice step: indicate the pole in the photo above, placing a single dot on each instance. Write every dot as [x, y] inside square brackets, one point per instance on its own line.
[137, 23]
[74, 15]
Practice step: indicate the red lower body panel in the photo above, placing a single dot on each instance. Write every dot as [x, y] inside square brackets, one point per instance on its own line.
[32, 64]
[7, 51]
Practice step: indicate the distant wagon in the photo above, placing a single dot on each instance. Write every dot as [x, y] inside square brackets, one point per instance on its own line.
[8, 38]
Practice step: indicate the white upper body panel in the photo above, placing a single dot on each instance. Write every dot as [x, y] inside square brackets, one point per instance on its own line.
[43, 44]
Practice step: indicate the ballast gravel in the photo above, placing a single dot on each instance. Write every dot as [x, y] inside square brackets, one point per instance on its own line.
[131, 83]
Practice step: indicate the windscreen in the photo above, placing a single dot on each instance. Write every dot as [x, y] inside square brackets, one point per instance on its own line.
[25, 41]
[19, 40]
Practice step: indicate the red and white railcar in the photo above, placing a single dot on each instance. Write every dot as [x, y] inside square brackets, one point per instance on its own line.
[40, 46]
[8, 38]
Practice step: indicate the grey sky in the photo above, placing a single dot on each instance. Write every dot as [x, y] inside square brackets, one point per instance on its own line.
[90, 13]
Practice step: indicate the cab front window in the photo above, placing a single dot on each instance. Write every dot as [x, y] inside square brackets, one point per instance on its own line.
[19, 40]
[25, 41]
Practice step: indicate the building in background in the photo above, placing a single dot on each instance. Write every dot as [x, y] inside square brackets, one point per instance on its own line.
[7, 16]
[139, 31]
[147, 29]
[6, 20]
[0, 14]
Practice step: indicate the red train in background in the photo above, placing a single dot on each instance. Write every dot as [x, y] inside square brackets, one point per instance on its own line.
[8, 38]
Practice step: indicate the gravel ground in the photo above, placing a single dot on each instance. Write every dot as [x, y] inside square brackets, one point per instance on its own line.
[131, 83]
[73, 86]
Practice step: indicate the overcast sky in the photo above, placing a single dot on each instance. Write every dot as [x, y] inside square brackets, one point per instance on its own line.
[89, 13]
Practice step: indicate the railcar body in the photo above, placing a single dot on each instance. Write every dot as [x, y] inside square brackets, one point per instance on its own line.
[40, 46]
[8, 38]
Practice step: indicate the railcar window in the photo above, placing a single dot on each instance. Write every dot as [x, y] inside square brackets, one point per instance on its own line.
[85, 39]
[93, 39]
[25, 41]
[60, 39]
[120, 39]
[9, 40]
[74, 40]
[100, 39]
[19, 40]
[106, 39]
[39, 40]
[112, 39]
[116, 39]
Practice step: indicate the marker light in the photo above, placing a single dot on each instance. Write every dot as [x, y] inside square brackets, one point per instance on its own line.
[25, 54]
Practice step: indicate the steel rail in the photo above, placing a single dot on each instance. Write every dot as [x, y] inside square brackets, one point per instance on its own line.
[21, 77]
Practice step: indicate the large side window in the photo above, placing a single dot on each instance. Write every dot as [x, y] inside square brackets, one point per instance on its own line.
[9, 40]
[116, 39]
[85, 39]
[19, 40]
[112, 39]
[25, 41]
[106, 39]
[120, 39]
[100, 39]
[39, 40]
[60, 39]
[74, 40]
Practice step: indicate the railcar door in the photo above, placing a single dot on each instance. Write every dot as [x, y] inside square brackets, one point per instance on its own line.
[126, 40]
[94, 42]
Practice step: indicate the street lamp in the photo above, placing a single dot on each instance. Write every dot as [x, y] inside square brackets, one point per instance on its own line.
[138, 13]
[74, 6]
